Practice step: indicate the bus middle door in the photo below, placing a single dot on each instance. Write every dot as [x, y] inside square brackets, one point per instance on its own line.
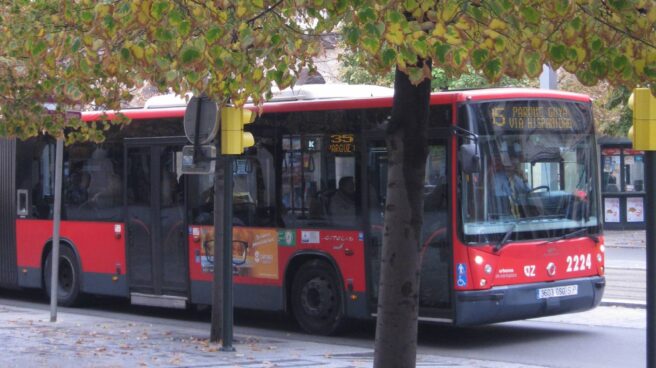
[156, 244]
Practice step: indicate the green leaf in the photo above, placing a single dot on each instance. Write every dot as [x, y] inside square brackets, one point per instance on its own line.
[184, 28]
[561, 7]
[171, 75]
[389, 57]
[533, 64]
[416, 75]
[440, 51]
[421, 47]
[176, 17]
[38, 48]
[86, 16]
[190, 55]
[650, 71]
[530, 14]
[163, 34]
[599, 68]
[353, 35]
[479, 56]
[586, 77]
[214, 34]
[596, 43]
[125, 54]
[558, 53]
[493, 69]
[620, 62]
[367, 14]
[395, 17]
[158, 8]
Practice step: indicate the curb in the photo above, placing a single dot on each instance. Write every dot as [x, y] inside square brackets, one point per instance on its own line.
[626, 303]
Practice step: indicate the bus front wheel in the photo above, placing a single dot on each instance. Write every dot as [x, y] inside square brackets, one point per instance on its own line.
[317, 298]
[68, 290]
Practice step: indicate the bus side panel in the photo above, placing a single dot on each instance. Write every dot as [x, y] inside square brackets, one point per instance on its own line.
[100, 247]
[259, 280]
[8, 269]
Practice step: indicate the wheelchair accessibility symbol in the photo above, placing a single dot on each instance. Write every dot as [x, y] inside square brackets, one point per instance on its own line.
[462, 275]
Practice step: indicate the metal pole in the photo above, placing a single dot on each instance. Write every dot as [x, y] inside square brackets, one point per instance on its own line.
[217, 284]
[227, 255]
[650, 213]
[54, 264]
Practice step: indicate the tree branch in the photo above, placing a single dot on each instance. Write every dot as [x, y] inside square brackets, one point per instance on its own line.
[615, 28]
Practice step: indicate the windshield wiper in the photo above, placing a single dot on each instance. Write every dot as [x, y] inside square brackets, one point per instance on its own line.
[505, 238]
[573, 234]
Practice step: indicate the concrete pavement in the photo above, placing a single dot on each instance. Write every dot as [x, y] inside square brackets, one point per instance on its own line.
[76, 340]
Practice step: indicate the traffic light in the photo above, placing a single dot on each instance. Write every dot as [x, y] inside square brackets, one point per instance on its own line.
[233, 137]
[643, 130]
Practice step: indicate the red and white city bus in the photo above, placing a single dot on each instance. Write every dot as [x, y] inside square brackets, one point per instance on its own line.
[512, 225]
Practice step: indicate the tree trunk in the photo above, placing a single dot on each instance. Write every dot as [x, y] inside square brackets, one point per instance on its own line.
[398, 301]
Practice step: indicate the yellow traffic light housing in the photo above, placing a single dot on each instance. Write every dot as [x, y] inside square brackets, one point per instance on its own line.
[233, 138]
[643, 131]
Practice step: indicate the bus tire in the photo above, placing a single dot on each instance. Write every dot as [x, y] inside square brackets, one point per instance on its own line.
[317, 298]
[68, 291]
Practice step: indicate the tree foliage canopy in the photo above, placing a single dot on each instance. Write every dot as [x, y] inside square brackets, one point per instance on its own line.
[81, 52]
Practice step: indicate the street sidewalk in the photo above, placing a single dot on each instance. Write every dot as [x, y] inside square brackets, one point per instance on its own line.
[28, 339]
[625, 269]
[625, 238]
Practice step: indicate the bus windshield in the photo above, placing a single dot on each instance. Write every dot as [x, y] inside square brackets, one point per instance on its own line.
[536, 176]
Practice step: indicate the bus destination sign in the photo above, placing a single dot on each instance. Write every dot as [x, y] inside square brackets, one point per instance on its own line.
[341, 143]
[541, 117]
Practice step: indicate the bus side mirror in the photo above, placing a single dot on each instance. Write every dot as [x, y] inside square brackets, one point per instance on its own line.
[469, 158]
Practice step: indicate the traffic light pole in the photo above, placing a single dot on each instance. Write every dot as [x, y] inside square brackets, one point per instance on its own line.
[650, 213]
[219, 236]
[227, 254]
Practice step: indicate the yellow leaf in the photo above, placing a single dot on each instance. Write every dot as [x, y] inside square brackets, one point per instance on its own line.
[394, 34]
[639, 65]
[137, 52]
[241, 10]
[439, 30]
[497, 24]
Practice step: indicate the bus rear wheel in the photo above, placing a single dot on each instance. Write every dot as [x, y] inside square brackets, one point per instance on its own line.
[68, 290]
[317, 298]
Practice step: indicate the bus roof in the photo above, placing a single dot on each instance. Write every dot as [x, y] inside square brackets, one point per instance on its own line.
[316, 97]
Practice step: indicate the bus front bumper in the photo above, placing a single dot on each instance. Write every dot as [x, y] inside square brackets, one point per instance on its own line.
[514, 302]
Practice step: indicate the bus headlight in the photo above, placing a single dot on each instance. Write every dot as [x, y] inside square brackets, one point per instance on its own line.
[488, 269]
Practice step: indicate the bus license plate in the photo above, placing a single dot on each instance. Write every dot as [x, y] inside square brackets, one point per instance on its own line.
[555, 292]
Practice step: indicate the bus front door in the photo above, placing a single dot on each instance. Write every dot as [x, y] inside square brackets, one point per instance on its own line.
[156, 246]
[435, 290]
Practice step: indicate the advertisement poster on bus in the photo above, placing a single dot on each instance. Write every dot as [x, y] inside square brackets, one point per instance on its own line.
[254, 252]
